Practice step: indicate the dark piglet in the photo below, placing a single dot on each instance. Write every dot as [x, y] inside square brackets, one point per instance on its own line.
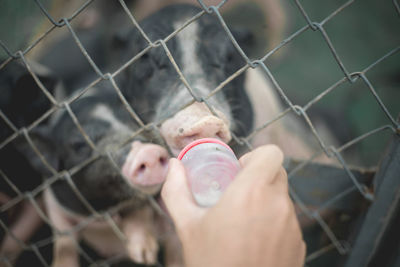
[108, 125]
[21, 102]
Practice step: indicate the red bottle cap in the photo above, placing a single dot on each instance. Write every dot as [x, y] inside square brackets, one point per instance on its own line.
[201, 141]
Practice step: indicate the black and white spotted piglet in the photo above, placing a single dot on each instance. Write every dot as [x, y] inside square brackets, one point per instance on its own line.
[122, 169]
[206, 56]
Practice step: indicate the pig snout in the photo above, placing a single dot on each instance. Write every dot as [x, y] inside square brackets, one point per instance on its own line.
[194, 122]
[146, 166]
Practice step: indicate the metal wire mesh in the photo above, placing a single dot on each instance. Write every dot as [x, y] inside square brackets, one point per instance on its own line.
[341, 246]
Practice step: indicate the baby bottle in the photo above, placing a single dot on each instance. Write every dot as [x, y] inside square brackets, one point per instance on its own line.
[211, 166]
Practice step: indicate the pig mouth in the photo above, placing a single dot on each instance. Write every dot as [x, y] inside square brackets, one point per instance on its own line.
[152, 190]
[178, 136]
[192, 123]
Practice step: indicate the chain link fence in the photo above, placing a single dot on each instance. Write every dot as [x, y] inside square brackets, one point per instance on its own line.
[334, 245]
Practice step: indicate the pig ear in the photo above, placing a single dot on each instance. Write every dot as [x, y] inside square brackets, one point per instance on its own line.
[245, 39]
[28, 101]
[41, 138]
[25, 80]
[125, 38]
[128, 42]
[120, 38]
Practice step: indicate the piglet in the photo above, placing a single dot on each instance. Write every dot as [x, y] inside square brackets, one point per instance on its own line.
[21, 103]
[206, 57]
[122, 169]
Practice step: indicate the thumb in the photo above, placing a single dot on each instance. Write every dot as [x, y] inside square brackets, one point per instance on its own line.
[177, 196]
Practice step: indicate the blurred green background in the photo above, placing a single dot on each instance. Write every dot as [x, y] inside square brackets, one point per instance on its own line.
[361, 34]
[19, 21]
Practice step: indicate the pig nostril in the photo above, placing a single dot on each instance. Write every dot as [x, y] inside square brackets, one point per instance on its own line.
[220, 135]
[142, 167]
[163, 161]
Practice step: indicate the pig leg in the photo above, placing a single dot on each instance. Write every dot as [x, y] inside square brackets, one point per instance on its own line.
[142, 243]
[173, 250]
[22, 229]
[64, 251]
[169, 238]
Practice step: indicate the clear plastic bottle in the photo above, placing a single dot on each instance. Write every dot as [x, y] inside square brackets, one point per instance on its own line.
[211, 166]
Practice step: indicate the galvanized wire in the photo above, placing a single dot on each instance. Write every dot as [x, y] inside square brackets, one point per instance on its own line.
[260, 63]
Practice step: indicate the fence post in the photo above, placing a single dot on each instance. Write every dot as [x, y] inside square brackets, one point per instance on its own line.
[378, 241]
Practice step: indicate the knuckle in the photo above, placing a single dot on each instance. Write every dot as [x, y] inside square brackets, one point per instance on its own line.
[284, 206]
[276, 151]
[283, 174]
[280, 179]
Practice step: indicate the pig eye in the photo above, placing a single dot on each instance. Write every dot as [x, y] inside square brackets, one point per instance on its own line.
[160, 61]
[215, 63]
[78, 145]
[142, 69]
[145, 57]
[161, 65]
[158, 57]
[230, 57]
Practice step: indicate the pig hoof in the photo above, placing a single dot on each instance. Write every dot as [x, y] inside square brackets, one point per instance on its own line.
[144, 251]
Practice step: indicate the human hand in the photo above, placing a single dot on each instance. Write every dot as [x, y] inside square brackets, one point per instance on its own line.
[253, 224]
